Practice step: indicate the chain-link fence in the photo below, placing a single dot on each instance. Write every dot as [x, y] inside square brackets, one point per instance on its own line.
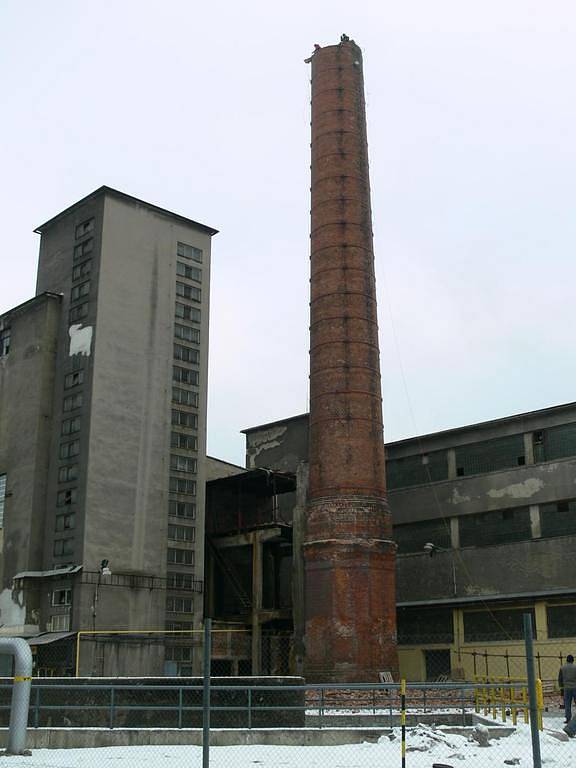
[435, 724]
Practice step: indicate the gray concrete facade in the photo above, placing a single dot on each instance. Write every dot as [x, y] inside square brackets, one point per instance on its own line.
[126, 447]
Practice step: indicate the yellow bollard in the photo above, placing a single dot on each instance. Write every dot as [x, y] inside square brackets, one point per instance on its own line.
[540, 702]
[403, 719]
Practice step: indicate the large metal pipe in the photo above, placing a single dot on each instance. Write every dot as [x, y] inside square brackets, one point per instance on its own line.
[349, 555]
[20, 649]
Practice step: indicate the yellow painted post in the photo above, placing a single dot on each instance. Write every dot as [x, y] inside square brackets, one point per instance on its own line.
[540, 701]
[476, 700]
[525, 702]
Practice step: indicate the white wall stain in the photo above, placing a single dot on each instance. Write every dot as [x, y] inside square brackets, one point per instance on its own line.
[12, 614]
[457, 497]
[263, 442]
[518, 490]
[80, 339]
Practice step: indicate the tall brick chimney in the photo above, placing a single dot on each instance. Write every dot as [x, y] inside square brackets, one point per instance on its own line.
[349, 556]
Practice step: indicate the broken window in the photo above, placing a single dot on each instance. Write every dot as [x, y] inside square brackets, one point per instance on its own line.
[84, 228]
[417, 470]
[555, 443]
[62, 597]
[498, 624]
[561, 620]
[490, 455]
[558, 518]
[73, 379]
[500, 527]
[69, 496]
[411, 537]
[418, 626]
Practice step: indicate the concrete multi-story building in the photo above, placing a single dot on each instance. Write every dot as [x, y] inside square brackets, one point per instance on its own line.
[484, 517]
[103, 382]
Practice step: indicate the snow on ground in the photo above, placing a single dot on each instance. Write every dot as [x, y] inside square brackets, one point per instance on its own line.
[426, 745]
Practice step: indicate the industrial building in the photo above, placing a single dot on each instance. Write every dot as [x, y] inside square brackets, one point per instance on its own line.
[484, 517]
[103, 382]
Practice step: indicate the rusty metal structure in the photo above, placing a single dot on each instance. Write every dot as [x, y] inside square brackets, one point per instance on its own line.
[349, 555]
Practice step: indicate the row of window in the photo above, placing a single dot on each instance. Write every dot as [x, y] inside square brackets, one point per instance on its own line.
[436, 625]
[489, 528]
[478, 458]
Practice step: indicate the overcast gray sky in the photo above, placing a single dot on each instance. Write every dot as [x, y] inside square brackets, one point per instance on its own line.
[203, 108]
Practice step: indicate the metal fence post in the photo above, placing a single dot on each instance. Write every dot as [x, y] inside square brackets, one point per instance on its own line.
[111, 707]
[528, 640]
[206, 694]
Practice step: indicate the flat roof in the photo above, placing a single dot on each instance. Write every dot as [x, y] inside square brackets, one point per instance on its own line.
[452, 430]
[34, 300]
[104, 190]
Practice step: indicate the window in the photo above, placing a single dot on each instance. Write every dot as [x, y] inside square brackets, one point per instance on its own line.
[2, 498]
[180, 581]
[78, 313]
[182, 485]
[180, 556]
[185, 509]
[68, 450]
[555, 443]
[72, 402]
[189, 272]
[82, 270]
[73, 379]
[500, 624]
[62, 597]
[83, 249]
[184, 419]
[64, 547]
[182, 463]
[66, 474]
[411, 537]
[417, 470]
[179, 652]
[561, 620]
[78, 291]
[85, 227]
[418, 626]
[187, 333]
[70, 426]
[179, 605]
[184, 312]
[490, 528]
[69, 496]
[59, 622]
[189, 252]
[185, 375]
[65, 522]
[181, 533]
[558, 518]
[177, 626]
[186, 354]
[490, 455]
[188, 291]
[185, 442]
[185, 397]
[4, 341]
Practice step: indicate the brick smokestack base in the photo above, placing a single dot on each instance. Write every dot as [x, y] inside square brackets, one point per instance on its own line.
[349, 556]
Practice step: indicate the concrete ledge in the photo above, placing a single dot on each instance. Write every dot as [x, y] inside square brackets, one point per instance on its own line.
[67, 738]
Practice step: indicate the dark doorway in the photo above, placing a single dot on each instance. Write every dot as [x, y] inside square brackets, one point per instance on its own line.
[437, 664]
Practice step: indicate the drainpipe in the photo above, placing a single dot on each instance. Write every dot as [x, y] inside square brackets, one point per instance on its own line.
[20, 649]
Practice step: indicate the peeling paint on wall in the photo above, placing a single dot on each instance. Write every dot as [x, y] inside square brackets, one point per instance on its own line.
[264, 441]
[11, 613]
[457, 497]
[518, 490]
[80, 339]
